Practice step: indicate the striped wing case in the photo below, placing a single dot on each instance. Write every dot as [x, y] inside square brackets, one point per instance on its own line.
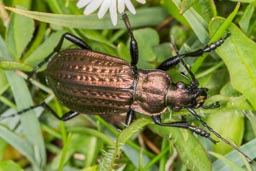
[90, 82]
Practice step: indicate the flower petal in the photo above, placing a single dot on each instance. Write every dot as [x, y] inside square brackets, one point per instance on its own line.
[104, 8]
[82, 3]
[121, 6]
[93, 6]
[130, 6]
[141, 1]
[113, 12]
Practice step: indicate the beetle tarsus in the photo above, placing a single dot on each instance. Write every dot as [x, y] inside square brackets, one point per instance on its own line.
[212, 106]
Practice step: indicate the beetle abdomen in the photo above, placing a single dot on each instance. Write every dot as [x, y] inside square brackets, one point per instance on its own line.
[91, 82]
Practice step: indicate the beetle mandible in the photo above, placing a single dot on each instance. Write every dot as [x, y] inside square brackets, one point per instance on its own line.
[90, 82]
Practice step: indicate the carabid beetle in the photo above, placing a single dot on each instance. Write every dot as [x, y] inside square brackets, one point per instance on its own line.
[90, 82]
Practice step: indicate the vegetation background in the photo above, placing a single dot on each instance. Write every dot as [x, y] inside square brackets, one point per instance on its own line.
[37, 141]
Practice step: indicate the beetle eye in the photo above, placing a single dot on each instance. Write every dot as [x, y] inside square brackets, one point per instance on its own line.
[180, 85]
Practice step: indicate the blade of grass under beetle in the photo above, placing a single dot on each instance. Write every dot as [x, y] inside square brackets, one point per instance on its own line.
[196, 22]
[10, 165]
[23, 146]
[220, 32]
[238, 54]
[109, 156]
[13, 65]
[248, 148]
[29, 124]
[191, 152]
[143, 17]
[19, 36]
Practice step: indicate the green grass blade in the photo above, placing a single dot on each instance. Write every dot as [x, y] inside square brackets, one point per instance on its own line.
[148, 17]
[30, 125]
[108, 159]
[190, 150]
[248, 148]
[23, 146]
[9, 165]
[19, 34]
[196, 22]
[13, 65]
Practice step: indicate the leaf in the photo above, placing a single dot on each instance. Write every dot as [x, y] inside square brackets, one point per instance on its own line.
[19, 34]
[13, 65]
[30, 125]
[34, 148]
[21, 145]
[230, 125]
[9, 165]
[248, 148]
[174, 11]
[238, 54]
[196, 22]
[244, 22]
[146, 53]
[44, 49]
[232, 166]
[186, 5]
[108, 159]
[190, 150]
[247, 1]
[147, 16]
[206, 9]
[3, 84]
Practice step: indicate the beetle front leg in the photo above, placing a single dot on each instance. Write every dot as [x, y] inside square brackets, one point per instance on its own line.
[72, 38]
[134, 50]
[199, 131]
[173, 61]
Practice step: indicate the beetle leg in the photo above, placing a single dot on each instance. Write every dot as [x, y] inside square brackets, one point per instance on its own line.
[66, 116]
[134, 51]
[129, 117]
[77, 41]
[199, 131]
[171, 62]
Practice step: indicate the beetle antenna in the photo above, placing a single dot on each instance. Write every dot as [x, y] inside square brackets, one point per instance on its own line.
[193, 81]
[217, 134]
[212, 106]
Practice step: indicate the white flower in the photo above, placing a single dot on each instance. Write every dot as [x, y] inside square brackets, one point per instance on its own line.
[112, 5]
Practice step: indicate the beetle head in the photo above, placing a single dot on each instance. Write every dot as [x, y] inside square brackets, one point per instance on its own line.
[181, 96]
